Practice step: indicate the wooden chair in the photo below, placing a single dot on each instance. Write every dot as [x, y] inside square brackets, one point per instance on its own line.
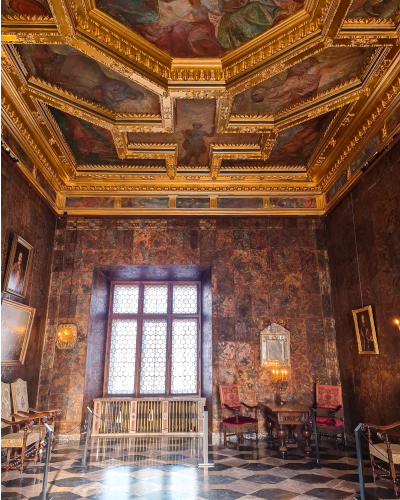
[329, 412]
[239, 424]
[386, 452]
[19, 390]
[22, 438]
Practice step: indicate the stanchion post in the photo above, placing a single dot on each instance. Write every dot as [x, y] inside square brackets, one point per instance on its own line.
[49, 433]
[314, 424]
[88, 426]
[359, 463]
[205, 462]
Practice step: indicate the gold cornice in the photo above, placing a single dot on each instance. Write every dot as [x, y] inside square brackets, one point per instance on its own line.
[363, 104]
[17, 127]
[367, 128]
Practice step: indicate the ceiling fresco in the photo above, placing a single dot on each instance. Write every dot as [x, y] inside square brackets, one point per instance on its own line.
[198, 106]
[71, 70]
[25, 8]
[91, 144]
[385, 9]
[199, 28]
[302, 81]
[194, 133]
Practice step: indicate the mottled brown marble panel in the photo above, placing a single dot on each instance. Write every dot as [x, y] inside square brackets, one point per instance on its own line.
[263, 270]
[23, 212]
[363, 234]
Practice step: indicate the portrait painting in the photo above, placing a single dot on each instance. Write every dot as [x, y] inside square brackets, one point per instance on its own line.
[365, 331]
[16, 276]
[16, 326]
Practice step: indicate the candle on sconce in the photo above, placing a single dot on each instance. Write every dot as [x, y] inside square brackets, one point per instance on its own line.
[397, 323]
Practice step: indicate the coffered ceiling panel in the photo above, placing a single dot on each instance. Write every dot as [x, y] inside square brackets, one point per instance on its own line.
[196, 28]
[376, 9]
[194, 133]
[70, 70]
[91, 144]
[198, 106]
[295, 145]
[304, 80]
[25, 8]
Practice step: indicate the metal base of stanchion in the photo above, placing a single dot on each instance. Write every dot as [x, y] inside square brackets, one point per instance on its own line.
[80, 467]
[205, 463]
[367, 496]
[84, 465]
[201, 464]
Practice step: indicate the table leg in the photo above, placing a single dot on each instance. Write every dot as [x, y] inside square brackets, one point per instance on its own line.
[281, 432]
[291, 439]
[306, 433]
[269, 425]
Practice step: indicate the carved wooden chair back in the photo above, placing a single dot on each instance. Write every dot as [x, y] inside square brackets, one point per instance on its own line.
[329, 396]
[21, 434]
[5, 403]
[229, 394]
[386, 450]
[19, 391]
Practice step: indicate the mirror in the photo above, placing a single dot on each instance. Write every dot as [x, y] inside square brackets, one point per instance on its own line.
[275, 346]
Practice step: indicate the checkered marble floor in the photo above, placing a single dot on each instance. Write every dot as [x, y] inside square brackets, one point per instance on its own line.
[166, 469]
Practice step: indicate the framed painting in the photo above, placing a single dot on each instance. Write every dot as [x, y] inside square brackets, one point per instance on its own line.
[365, 331]
[19, 263]
[16, 325]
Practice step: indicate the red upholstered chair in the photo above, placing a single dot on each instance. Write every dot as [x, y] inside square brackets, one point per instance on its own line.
[329, 412]
[238, 424]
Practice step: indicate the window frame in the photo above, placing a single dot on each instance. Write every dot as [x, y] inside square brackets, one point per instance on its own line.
[169, 316]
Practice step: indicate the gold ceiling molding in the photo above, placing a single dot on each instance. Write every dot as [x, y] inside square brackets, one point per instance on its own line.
[361, 105]
[12, 121]
[388, 97]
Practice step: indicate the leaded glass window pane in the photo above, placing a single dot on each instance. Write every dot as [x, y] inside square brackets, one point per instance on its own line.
[121, 378]
[184, 356]
[185, 299]
[155, 299]
[126, 299]
[154, 352]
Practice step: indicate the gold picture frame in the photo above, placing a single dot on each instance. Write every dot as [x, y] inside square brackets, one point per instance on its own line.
[16, 326]
[18, 267]
[365, 331]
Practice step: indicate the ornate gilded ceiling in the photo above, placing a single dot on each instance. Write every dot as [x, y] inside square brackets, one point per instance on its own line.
[203, 106]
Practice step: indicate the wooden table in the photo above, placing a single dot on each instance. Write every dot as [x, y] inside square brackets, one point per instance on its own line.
[288, 415]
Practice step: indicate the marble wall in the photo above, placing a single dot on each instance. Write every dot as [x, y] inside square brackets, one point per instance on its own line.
[363, 235]
[263, 270]
[23, 212]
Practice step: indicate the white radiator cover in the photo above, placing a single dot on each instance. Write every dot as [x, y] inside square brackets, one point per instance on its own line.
[143, 417]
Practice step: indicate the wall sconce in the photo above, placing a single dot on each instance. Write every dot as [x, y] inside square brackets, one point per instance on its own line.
[398, 324]
[66, 336]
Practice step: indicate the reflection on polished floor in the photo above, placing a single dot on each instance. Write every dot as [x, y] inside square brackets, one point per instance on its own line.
[158, 468]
